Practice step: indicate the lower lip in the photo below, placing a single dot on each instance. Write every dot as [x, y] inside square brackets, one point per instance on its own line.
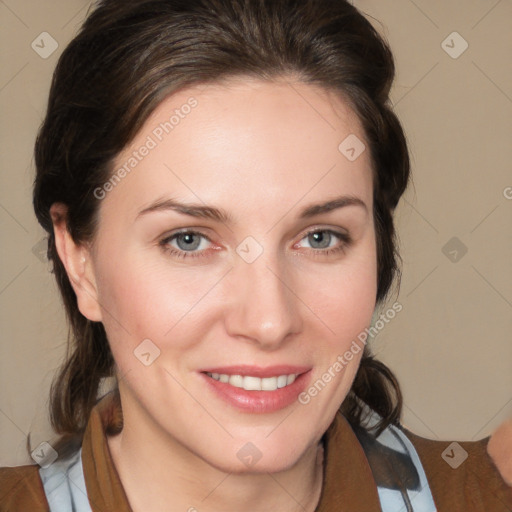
[259, 401]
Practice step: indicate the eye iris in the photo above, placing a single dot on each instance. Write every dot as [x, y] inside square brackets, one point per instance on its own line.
[188, 238]
[322, 237]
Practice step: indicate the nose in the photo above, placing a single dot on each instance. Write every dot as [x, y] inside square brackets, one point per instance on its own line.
[263, 306]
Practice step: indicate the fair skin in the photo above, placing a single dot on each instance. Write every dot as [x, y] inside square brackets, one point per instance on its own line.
[262, 152]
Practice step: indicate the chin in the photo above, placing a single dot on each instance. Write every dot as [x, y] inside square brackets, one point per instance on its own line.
[249, 459]
[260, 467]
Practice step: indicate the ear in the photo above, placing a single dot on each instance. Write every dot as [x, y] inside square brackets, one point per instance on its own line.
[77, 261]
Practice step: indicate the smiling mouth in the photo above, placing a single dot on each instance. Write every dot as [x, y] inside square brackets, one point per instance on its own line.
[252, 383]
[255, 389]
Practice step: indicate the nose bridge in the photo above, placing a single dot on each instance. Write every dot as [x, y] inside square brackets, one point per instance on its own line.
[264, 307]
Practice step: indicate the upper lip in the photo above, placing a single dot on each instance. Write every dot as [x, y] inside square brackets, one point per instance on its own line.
[258, 371]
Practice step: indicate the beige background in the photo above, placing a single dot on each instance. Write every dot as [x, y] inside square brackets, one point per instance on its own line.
[450, 346]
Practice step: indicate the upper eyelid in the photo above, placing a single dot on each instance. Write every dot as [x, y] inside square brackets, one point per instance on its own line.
[344, 238]
[339, 231]
[172, 236]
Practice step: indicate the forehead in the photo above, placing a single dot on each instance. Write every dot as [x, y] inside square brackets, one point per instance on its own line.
[244, 141]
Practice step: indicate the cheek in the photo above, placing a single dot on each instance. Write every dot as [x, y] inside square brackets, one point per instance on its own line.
[132, 298]
[143, 298]
[343, 297]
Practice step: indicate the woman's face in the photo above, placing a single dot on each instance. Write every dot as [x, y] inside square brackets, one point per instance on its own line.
[268, 282]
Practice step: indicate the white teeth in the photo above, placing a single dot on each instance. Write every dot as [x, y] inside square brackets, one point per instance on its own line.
[290, 379]
[237, 381]
[281, 381]
[250, 383]
[269, 384]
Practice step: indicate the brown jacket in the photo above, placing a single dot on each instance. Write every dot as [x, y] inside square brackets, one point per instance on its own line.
[475, 485]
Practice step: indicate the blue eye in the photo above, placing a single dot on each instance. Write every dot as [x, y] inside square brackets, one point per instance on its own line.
[322, 238]
[187, 242]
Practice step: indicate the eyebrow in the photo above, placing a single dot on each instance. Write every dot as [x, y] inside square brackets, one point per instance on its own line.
[219, 214]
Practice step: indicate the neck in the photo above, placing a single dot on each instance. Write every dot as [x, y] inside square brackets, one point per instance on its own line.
[167, 473]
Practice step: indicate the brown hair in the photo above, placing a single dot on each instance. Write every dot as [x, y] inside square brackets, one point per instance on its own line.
[126, 58]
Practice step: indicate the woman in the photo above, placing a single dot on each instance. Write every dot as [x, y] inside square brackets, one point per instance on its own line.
[218, 180]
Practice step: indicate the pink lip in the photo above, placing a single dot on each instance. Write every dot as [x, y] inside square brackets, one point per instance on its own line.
[258, 371]
[258, 401]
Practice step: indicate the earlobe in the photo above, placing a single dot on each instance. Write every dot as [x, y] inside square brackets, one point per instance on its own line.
[77, 261]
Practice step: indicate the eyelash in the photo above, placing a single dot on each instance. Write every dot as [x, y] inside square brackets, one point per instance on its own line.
[346, 241]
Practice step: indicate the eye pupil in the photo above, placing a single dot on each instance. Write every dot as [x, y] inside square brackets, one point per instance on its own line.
[321, 237]
[189, 241]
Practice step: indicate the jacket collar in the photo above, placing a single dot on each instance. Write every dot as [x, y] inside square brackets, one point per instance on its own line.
[348, 483]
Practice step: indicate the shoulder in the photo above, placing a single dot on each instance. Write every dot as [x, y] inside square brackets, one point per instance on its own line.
[462, 475]
[21, 489]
